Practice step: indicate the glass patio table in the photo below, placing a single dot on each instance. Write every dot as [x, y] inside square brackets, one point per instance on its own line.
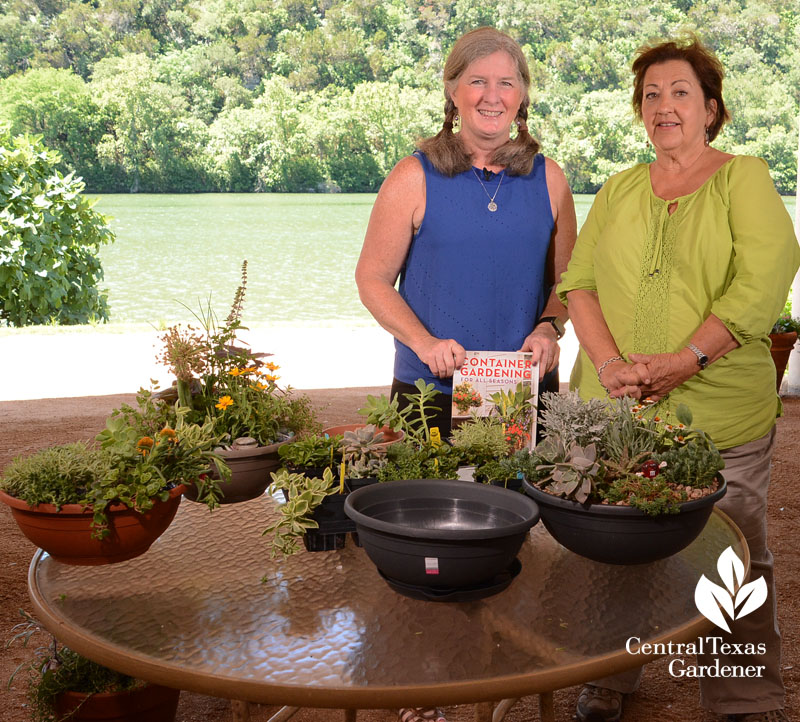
[206, 609]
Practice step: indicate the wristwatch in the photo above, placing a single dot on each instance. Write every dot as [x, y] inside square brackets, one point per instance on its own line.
[557, 325]
[702, 359]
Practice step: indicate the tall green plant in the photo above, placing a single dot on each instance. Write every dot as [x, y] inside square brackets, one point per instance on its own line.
[49, 240]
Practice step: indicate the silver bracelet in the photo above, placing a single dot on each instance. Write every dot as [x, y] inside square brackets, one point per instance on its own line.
[603, 367]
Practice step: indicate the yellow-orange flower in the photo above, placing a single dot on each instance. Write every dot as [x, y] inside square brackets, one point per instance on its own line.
[234, 372]
[271, 366]
[250, 370]
[144, 445]
[224, 403]
[169, 433]
[270, 377]
[260, 386]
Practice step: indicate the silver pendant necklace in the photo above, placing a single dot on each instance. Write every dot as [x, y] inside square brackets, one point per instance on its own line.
[492, 205]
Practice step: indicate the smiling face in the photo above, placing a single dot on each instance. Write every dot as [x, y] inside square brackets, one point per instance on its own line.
[674, 109]
[488, 95]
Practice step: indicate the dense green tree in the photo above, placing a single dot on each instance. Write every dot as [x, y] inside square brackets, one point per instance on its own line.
[169, 80]
[49, 240]
[153, 137]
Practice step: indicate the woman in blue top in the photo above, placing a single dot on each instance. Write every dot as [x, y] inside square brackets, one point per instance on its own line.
[477, 226]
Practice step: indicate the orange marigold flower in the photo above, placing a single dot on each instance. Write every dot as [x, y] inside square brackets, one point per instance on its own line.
[168, 432]
[144, 445]
[224, 403]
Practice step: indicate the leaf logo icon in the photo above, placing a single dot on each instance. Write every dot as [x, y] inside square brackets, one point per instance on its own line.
[712, 600]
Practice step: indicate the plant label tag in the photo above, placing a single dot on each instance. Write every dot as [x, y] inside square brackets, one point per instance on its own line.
[431, 565]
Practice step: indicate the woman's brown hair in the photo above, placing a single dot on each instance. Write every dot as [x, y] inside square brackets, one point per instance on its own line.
[706, 66]
[446, 150]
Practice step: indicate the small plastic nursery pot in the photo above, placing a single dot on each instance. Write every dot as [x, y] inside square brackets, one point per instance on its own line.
[622, 534]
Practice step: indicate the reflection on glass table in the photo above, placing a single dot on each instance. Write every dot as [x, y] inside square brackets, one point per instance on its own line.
[207, 610]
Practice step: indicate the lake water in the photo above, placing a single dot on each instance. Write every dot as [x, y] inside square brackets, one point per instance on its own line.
[301, 251]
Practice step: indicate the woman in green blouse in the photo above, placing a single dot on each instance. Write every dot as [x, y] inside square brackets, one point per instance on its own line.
[680, 270]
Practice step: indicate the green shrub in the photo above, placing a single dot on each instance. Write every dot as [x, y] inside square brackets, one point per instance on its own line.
[49, 240]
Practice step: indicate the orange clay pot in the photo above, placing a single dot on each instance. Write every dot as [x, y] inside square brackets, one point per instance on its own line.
[151, 702]
[782, 345]
[66, 534]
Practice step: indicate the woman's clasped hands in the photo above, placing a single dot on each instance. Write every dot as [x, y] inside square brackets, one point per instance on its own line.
[650, 376]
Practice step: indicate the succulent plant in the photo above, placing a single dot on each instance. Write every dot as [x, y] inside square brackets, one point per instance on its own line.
[364, 452]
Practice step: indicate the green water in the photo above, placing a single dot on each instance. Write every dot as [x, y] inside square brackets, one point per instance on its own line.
[301, 251]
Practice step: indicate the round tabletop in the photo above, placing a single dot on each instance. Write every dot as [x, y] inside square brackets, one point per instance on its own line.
[207, 610]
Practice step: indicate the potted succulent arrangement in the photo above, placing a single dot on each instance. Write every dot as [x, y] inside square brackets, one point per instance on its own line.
[220, 380]
[107, 502]
[63, 685]
[783, 337]
[618, 484]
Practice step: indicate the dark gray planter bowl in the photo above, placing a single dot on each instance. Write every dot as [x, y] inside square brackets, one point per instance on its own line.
[441, 533]
[622, 534]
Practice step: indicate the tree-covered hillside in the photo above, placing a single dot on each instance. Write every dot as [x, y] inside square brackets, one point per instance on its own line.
[293, 95]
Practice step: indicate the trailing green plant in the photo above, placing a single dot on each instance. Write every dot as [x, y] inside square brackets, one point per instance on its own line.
[50, 237]
[408, 461]
[481, 439]
[363, 451]
[637, 457]
[127, 467]
[57, 475]
[521, 464]
[312, 452]
[304, 494]
[56, 669]
[220, 379]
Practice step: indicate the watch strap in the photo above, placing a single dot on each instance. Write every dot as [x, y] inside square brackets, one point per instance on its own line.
[557, 325]
[702, 359]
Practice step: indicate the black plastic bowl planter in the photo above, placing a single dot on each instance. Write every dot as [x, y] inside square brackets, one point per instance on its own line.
[622, 534]
[441, 534]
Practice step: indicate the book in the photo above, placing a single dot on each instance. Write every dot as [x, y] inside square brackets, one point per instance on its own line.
[509, 378]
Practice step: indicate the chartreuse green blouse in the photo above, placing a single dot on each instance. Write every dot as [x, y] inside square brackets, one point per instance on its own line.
[728, 249]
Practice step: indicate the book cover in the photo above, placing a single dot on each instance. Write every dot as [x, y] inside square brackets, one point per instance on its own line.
[495, 383]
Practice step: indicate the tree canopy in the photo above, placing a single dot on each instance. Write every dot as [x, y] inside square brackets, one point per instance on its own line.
[296, 95]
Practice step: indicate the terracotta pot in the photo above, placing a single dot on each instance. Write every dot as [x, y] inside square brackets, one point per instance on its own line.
[66, 534]
[152, 702]
[622, 534]
[781, 349]
[250, 465]
[389, 436]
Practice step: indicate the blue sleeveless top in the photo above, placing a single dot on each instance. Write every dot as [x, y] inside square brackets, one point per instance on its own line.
[473, 275]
